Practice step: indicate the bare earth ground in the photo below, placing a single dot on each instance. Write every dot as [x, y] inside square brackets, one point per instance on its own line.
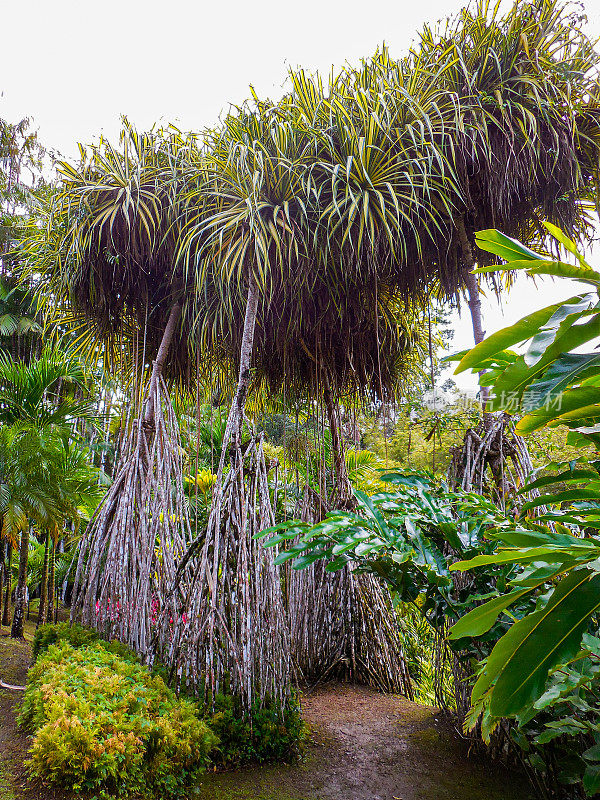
[369, 746]
[15, 657]
[362, 746]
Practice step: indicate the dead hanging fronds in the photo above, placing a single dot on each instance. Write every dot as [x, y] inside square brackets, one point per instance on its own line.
[130, 550]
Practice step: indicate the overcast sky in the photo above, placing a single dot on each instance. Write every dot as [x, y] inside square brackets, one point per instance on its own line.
[75, 66]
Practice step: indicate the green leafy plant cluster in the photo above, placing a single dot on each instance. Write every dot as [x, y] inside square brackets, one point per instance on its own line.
[409, 536]
[77, 636]
[543, 672]
[270, 733]
[103, 723]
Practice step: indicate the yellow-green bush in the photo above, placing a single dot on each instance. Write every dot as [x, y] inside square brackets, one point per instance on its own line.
[101, 722]
[77, 636]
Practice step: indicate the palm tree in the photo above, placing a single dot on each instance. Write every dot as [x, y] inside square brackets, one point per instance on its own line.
[18, 323]
[25, 497]
[77, 490]
[37, 411]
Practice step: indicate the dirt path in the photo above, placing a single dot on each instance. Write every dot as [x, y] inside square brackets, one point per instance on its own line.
[15, 657]
[368, 746]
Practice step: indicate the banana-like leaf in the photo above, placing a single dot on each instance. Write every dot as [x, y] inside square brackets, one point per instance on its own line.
[568, 476]
[481, 619]
[492, 241]
[518, 256]
[548, 554]
[560, 269]
[563, 318]
[517, 377]
[507, 337]
[563, 406]
[567, 369]
[567, 496]
[519, 664]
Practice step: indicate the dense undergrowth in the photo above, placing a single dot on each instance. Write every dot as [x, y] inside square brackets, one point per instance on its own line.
[102, 721]
[509, 581]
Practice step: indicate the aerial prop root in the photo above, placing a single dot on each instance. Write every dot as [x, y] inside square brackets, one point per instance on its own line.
[130, 550]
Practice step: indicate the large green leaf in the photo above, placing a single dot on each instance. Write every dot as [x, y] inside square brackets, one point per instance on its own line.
[561, 269]
[567, 476]
[480, 619]
[492, 241]
[518, 376]
[567, 496]
[518, 256]
[568, 403]
[563, 318]
[547, 554]
[518, 665]
[568, 368]
[507, 337]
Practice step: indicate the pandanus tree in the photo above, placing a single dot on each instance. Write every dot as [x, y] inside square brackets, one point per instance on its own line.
[528, 151]
[109, 250]
[278, 304]
[353, 325]
[490, 120]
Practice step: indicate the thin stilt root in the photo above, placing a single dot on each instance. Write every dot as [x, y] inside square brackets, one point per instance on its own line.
[130, 550]
[233, 632]
[342, 624]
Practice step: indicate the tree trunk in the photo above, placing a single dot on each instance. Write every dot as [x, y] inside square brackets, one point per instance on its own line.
[233, 429]
[21, 591]
[52, 604]
[161, 356]
[233, 631]
[474, 300]
[6, 609]
[495, 458]
[106, 432]
[43, 606]
[342, 495]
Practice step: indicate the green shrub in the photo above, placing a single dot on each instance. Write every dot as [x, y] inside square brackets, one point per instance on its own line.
[101, 722]
[77, 636]
[271, 734]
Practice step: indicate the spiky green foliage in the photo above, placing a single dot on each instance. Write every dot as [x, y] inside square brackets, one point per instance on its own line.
[17, 316]
[108, 242]
[527, 82]
[347, 200]
[296, 197]
[43, 393]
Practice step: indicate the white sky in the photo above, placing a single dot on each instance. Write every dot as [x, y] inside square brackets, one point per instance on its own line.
[75, 66]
